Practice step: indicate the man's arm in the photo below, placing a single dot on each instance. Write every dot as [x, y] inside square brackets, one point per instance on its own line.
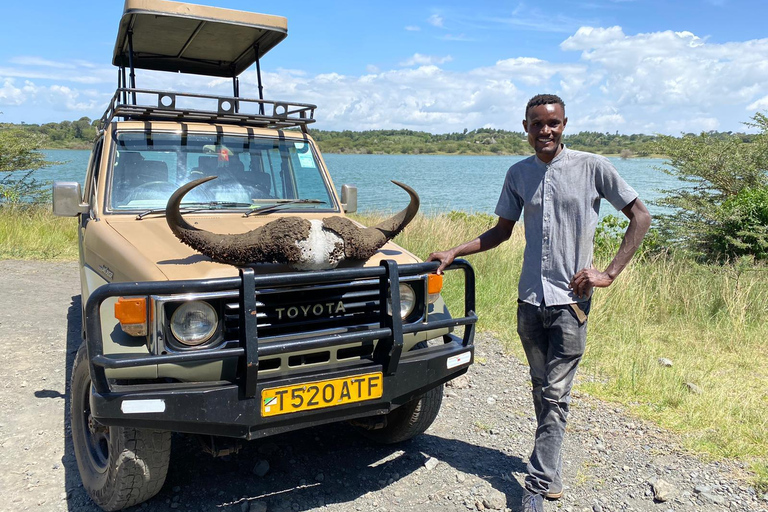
[639, 222]
[488, 240]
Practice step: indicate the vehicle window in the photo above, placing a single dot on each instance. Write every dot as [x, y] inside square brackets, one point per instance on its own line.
[251, 171]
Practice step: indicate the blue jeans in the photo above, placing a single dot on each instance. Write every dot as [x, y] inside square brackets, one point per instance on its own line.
[554, 339]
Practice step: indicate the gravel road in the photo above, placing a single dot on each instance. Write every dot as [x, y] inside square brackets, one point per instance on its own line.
[472, 458]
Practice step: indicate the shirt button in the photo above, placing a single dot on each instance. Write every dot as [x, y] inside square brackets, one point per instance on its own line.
[544, 258]
[547, 180]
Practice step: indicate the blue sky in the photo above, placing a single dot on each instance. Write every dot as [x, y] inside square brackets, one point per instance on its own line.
[620, 65]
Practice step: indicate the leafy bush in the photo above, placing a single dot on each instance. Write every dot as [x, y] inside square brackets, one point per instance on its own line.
[709, 217]
[609, 234]
[18, 153]
[744, 224]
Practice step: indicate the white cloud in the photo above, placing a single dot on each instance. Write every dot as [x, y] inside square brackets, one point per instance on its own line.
[419, 60]
[436, 20]
[412, 28]
[761, 104]
[668, 82]
[39, 61]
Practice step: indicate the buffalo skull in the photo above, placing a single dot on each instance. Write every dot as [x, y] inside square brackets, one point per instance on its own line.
[300, 243]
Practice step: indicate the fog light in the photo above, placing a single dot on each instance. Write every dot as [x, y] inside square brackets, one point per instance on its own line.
[407, 301]
[193, 323]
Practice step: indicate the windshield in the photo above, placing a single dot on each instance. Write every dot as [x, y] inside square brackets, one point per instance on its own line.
[251, 172]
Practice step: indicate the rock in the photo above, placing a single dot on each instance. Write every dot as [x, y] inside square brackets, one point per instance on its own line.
[710, 497]
[702, 488]
[257, 506]
[460, 478]
[431, 463]
[495, 500]
[693, 388]
[261, 468]
[460, 382]
[663, 361]
[662, 490]
[491, 400]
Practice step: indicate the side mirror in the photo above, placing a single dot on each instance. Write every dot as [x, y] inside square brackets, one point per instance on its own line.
[67, 199]
[349, 198]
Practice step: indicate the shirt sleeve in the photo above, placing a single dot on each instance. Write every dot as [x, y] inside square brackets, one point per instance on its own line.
[510, 205]
[611, 186]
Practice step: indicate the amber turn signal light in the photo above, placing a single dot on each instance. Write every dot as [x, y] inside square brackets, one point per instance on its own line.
[434, 283]
[131, 312]
[434, 286]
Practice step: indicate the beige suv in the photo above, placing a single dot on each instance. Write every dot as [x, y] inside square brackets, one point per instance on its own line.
[182, 333]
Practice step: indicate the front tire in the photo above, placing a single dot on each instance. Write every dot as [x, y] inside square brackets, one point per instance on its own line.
[119, 466]
[411, 418]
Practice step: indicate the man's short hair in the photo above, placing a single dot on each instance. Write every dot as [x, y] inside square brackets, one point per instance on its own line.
[544, 99]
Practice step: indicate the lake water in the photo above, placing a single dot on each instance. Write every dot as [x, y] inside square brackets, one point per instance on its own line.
[444, 183]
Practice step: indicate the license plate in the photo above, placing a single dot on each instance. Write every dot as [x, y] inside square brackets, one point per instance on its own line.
[320, 394]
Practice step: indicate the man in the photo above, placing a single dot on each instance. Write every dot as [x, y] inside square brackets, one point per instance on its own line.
[560, 191]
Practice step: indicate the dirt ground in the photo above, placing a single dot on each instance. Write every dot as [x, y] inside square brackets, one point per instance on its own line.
[472, 458]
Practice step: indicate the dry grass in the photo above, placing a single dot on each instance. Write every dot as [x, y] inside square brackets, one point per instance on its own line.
[33, 233]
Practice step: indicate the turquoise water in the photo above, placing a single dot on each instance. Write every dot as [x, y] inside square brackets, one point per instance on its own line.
[444, 183]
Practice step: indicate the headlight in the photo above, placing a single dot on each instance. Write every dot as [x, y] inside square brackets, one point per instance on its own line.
[407, 301]
[193, 323]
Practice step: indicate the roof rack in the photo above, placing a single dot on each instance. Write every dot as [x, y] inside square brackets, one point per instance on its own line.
[167, 106]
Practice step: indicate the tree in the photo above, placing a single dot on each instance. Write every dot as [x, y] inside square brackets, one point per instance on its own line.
[719, 214]
[18, 152]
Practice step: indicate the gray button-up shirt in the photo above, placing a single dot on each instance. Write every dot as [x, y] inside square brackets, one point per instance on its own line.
[562, 202]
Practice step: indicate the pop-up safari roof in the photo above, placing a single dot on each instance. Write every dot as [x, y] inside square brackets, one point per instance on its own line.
[187, 38]
[184, 38]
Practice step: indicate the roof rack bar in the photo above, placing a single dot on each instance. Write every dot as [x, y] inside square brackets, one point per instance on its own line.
[162, 106]
[130, 63]
[258, 78]
[236, 90]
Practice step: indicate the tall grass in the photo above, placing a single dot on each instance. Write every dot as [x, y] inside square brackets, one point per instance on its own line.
[708, 320]
[32, 232]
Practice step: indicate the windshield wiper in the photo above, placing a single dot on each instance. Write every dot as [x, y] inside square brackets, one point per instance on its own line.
[285, 202]
[197, 207]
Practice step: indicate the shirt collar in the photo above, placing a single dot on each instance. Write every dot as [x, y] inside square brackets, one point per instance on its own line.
[560, 156]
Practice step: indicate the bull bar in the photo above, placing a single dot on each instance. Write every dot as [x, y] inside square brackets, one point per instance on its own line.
[231, 408]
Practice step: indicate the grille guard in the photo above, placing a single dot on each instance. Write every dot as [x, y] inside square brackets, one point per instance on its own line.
[389, 333]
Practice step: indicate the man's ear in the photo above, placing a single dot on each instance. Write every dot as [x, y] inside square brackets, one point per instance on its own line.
[565, 122]
[525, 125]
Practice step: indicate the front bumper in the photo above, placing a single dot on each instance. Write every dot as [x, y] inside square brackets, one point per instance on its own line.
[233, 408]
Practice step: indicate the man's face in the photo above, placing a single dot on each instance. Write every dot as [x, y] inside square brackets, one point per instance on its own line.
[544, 125]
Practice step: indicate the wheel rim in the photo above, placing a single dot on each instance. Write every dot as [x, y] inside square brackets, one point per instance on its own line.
[96, 435]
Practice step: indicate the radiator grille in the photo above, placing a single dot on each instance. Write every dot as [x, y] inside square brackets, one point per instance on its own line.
[298, 312]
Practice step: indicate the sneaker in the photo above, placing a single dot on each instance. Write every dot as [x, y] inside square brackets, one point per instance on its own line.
[532, 502]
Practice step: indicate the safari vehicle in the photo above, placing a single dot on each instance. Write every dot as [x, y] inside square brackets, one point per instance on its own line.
[175, 341]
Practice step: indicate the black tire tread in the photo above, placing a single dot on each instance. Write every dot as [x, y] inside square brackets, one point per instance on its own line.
[138, 458]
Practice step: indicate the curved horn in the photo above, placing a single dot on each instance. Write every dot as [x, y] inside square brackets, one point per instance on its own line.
[172, 214]
[392, 227]
[361, 244]
[273, 242]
